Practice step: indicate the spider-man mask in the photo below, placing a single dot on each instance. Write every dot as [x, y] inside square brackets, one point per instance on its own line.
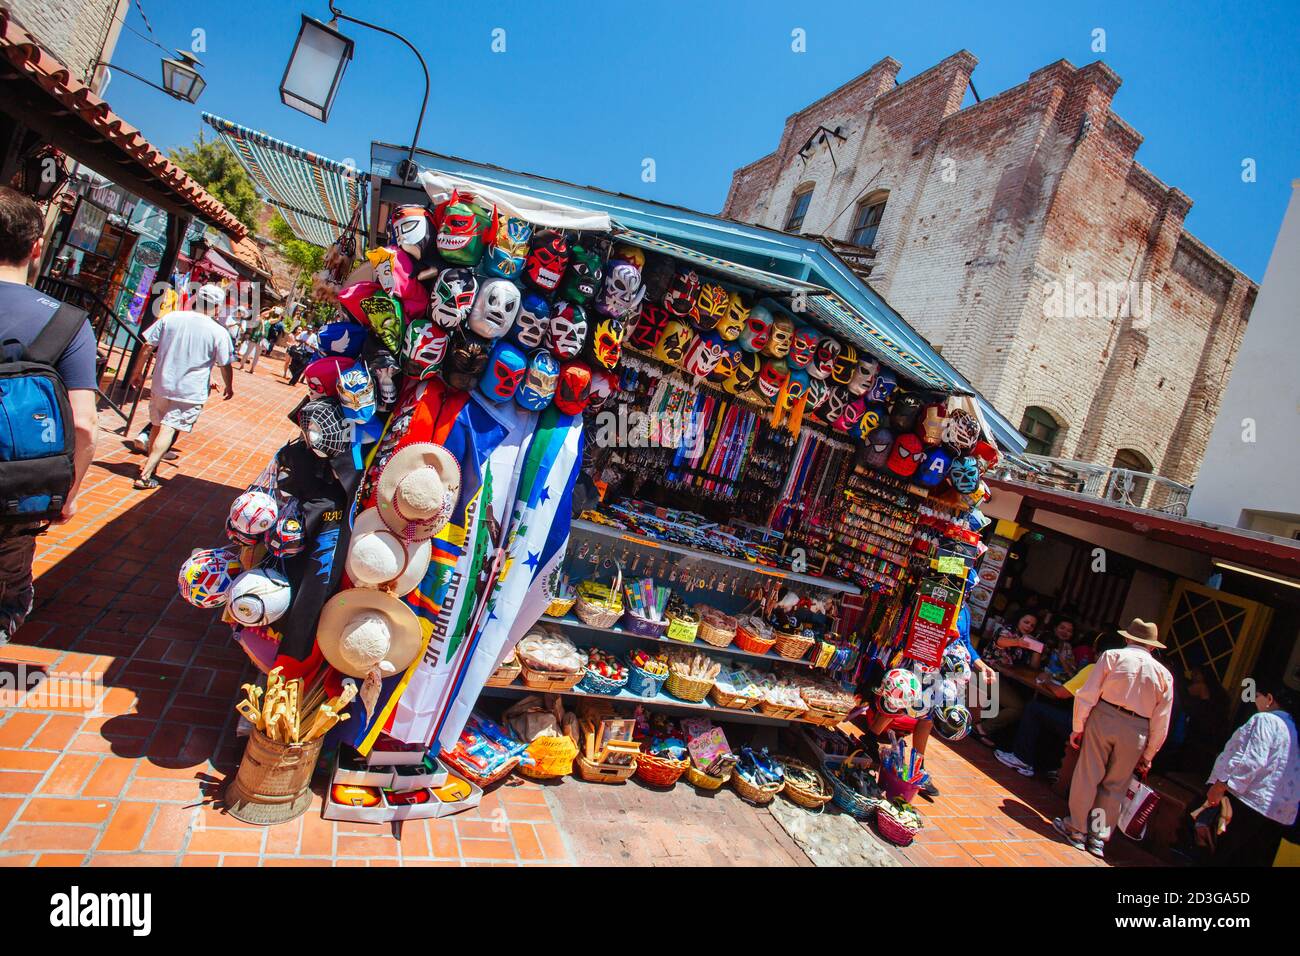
[547, 260]
[505, 371]
[906, 456]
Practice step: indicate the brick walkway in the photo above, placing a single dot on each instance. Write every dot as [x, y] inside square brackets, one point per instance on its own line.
[135, 785]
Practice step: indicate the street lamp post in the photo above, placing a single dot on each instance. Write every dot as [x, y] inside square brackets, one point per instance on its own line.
[181, 77]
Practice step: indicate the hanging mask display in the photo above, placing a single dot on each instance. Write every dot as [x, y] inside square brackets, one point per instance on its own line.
[818, 390]
[424, 349]
[905, 411]
[796, 387]
[583, 278]
[603, 386]
[731, 354]
[771, 377]
[605, 342]
[568, 330]
[673, 343]
[986, 453]
[381, 263]
[848, 421]
[965, 474]
[533, 323]
[758, 329]
[506, 368]
[874, 414]
[322, 376]
[846, 364]
[357, 394]
[961, 431]
[538, 386]
[906, 456]
[344, 339]
[383, 314]
[804, 345]
[494, 309]
[682, 292]
[573, 389]
[879, 444]
[883, 387]
[411, 227]
[778, 344]
[744, 374]
[453, 297]
[732, 324]
[936, 468]
[833, 407]
[385, 371]
[462, 229]
[324, 428]
[823, 363]
[932, 424]
[711, 306]
[864, 377]
[467, 357]
[703, 356]
[546, 261]
[649, 326]
[622, 292]
[507, 246]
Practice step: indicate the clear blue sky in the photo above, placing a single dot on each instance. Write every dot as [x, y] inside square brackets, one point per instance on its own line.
[586, 90]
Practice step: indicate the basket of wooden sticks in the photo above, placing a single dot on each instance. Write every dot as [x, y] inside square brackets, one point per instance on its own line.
[289, 726]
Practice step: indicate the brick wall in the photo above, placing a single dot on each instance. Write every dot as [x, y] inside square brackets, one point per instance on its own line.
[75, 31]
[993, 211]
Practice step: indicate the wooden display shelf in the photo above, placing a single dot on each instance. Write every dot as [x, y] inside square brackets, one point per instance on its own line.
[731, 650]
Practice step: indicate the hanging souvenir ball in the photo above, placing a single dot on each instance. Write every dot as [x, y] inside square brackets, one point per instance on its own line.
[453, 297]
[424, 349]
[254, 512]
[863, 379]
[952, 722]
[711, 306]
[322, 376]
[507, 245]
[462, 228]
[804, 346]
[286, 538]
[357, 394]
[239, 537]
[907, 455]
[622, 291]
[879, 445]
[732, 324]
[411, 227]
[731, 355]
[573, 389]
[467, 357]
[781, 338]
[900, 693]
[771, 378]
[582, 280]
[649, 326]
[324, 428]
[506, 368]
[846, 364]
[674, 342]
[955, 664]
[259, 597]
[532, 328]
[744, 374]
[905, 411]
[703, 355]
[568, 331]
[758, 329]
[538, 387]
[682, 292]
[965, 474]
[605, 342]
[883, 386]
[604, 384]
[823, 364]
[932, 424]
[344, 339]
[961, 431]
[546, 261]
[205, 577]
[936, 468]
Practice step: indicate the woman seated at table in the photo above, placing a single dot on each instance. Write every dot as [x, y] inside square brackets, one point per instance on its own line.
[1059, 653]
[1011, 649]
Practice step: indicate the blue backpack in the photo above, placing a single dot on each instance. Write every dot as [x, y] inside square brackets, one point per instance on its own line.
[36, 430]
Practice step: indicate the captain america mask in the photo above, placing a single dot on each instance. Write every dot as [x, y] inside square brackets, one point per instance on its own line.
[538, 387]
[935, 469]
[583, 278]
[505, 371]
[453, 297]
[507, 246]
[532, 328]
[546, 261]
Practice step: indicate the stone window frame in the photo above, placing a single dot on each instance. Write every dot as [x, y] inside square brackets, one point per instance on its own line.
[877, 199]
[1058, 428]
[804, 192]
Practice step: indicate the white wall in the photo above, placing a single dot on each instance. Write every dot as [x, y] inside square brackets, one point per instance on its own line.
[1239, 474]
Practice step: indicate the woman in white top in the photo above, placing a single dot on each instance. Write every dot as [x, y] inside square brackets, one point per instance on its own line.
[1259, 774]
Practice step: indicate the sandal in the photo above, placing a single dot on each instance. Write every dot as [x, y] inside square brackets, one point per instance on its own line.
[145, 484]
[983, 738]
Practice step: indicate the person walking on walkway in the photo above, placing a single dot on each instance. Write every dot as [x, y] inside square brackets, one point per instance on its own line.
[1121, 719]
[1258, 774]
[188, 344]
[25, 317]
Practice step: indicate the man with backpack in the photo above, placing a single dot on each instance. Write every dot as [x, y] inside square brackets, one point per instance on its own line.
[47, 384]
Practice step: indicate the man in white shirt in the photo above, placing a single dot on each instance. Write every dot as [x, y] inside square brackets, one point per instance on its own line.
[1259, 775]
[1121, 720]
[188, 344]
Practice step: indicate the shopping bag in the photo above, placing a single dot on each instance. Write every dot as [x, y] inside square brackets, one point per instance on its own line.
[1139, 803]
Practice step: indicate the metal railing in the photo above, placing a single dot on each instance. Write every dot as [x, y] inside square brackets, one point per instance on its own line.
[1122, 486]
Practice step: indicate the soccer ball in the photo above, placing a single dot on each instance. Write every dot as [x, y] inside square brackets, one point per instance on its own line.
[900, 693]
[205, 577]
[253, 513]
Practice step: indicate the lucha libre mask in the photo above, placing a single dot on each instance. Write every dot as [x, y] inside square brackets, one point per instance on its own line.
[383, 314]
[883, 387]
[411, 227]
[603, 386]
[796, 388]
[833, 406]
[961, 431]
[703, 355]
[622, 291]
[874, 414]
[804, 346]
[605, 343]
[385, 371]
[322, 375]
[357, 394]
[742, 377]
[771, 378]
[965, 474]
[649, 326]
[758, 329]
[453, 297]
[538, 386]
[817, 392]
[682, 293]
[935, 469]
[568, 330]
[986, 453]
[424, 349]
[731, 353]
[731, 325]
[851, 416]
[863, 377]
[906, 456]
[823, 363]
[573, 389]
[507, 246]
[905, 412]
[932, 423]
[462, 228]
[711, 306]
[545, 264]
[467, 357]
[846, 363]
[778, 345]
[533, 323]
[583, 277]
[495, 308]
[676, 339]
[342, 338]
[505, 370]
[879, 444]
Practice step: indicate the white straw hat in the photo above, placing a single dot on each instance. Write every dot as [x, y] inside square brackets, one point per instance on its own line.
[378, 558]
[417, 491]
[363, 631]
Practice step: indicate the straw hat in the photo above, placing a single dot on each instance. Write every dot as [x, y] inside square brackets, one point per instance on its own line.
[377, 558]
[417, 491]
[1142, 632]
[361, 631]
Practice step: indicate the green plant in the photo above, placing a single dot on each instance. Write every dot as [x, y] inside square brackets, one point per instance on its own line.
[217, 170]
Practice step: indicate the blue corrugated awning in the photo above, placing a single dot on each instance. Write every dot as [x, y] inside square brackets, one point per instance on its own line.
[315, 195]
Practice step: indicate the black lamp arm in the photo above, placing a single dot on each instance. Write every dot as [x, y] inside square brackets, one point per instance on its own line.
[137, 76]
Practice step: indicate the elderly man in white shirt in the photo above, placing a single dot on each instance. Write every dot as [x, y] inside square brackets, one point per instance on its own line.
[1121, 720]
[1259, 775]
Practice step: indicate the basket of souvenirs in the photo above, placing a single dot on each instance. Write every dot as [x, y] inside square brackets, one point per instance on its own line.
[660, 770]
[897, 821]
[485, 753]
[758, 777]
[716, 628]
[505, 675]
[690, 675]
[646, 673]
[781, 698]
[593, 772]
[705, 781]
[736, 689]
[549, 660]
[552, 733]
[828, 703]
[753, 635]
[604, 674]
[683, 625]
[600, 605]
[793, 645]
[646, 606]
[562, 595]
[853, 787]
[804, 785]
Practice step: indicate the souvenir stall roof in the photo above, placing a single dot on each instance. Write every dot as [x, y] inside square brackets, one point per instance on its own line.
[861, 314]
[315, 195]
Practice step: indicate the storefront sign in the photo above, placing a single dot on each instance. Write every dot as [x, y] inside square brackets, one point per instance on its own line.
[936, 607]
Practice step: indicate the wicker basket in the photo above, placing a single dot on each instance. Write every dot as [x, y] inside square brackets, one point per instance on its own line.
[642, 683]
[809, 799]
[731, 701]
[549, 680]
[604, 773]
[560, 606]
[698, 778]
[659, 771]
[793, 646]
[893, 830]
[600, 605]
[683, 628]
[824, 716]
[751, 793]
[844, 796]
[687, 688]
[505, 675]
[755, 641]
[481, 780]
[642, 626]
[593, 683]
[781, 710]
[717, 628]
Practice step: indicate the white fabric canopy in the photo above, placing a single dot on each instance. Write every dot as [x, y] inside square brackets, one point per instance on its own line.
[539, 212]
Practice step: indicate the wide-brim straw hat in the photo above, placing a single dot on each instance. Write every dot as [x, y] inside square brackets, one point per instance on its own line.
[1142, 632]
[378, 558]
[417, 491]
[362, 630]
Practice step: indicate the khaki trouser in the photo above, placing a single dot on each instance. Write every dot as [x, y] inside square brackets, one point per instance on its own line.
[1113, 742]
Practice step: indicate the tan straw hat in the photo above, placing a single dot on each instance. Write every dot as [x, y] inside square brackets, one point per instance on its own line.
[361, 631]
[418, 489]
[378, 558]
[1142, 632]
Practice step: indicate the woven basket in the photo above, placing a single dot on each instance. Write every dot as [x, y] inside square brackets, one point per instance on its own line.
[845, 797]
[824, 716]
[895, 831]
[505, 675]
[642, 683]
[716, 628]
[698, 778]
[750, 793]
[549, 680]
[634, 623]
[810, 799]
[682, 629]
[600, 605]
[753, 641]
[560, 606]
[477, 779]
[659, 771]
[780, 710]
[731, 701]
[593, 683]
[604, 773]
[793, 646]
[687, 688]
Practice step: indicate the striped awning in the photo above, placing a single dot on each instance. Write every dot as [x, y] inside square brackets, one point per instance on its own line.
[864, 332]
[769, 282]
[315, 195]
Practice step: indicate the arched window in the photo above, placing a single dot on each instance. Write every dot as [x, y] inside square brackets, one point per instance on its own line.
[1130, 489]
[866, 221]
[1041, 431]
[799, 204]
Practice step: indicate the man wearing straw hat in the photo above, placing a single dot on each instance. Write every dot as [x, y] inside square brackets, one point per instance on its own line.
[1121, 719]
